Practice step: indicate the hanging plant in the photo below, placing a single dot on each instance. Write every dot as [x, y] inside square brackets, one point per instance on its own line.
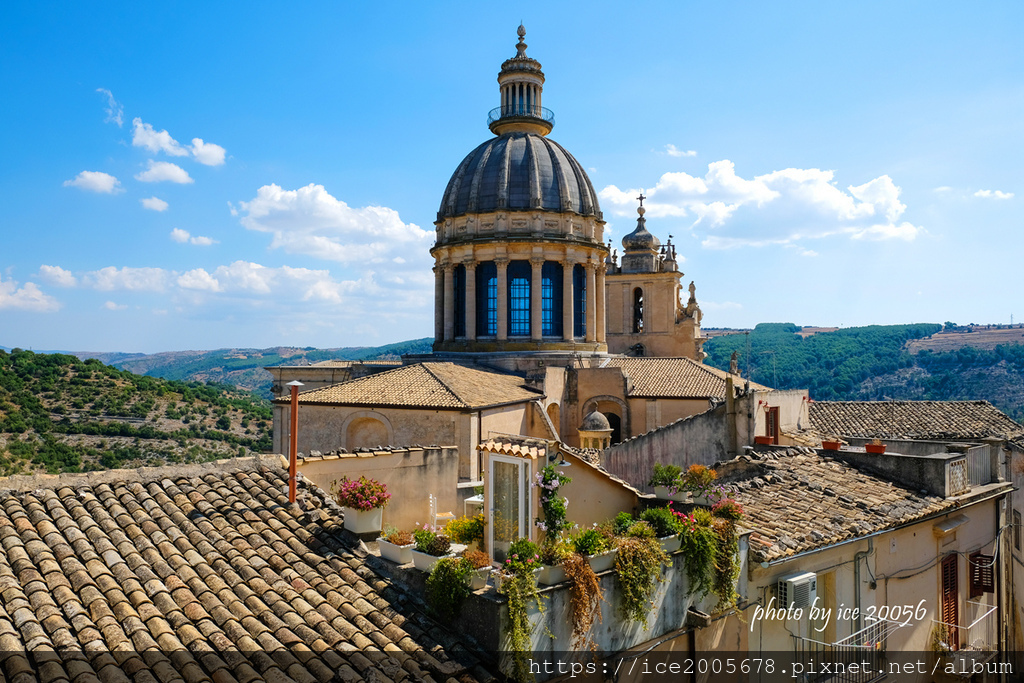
[448, 586]
[727, 564]
[554, 506]
[699, 544]
[637, 567]
[520, 588]
[585, 599]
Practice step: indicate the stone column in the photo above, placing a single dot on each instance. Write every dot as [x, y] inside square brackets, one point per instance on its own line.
[591, 301]
[536, 302]
[501, 264]
[601, 321]
[449, 301]
[438, 303]
[470, 299]
[567, 301]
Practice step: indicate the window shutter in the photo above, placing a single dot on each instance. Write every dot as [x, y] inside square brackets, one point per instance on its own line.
[982, 574]
[950, 598]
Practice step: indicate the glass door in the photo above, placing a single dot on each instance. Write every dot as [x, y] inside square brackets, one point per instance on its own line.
[508, 487]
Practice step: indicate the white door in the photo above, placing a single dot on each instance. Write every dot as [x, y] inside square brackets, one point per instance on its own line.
[508, 487]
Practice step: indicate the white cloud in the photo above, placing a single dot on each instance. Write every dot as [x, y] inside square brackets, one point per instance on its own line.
[941, 189]
[311, 222]
[154, 204]
[993, 194]
[779, 208]
[185, 237]
[127, 278]
[95, 181]
[159, 171]
[143, 135]
[199, 279]
[26, 298]
[56, 275]
[671, 150]
[115, 111]
[112, 306]
[207, 153]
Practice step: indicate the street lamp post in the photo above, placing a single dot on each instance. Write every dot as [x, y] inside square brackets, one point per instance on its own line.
[293, 455]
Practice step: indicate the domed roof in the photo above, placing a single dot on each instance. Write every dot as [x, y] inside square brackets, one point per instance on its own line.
[519, 172]
[640, 239]
[595, 422]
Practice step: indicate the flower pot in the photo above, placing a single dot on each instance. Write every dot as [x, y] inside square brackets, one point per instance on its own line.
[663, 493]
[550, 574]
[670, 544]
[423, 561]
[831, 445]
[478, 578]
[876, 448]
[603, 561]
[763, 440]
[703, 499]
[500, 577]
[363, 521]
[399, 554]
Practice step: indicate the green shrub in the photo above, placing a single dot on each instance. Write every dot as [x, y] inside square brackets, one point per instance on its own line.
[448, 586]
[662, 520]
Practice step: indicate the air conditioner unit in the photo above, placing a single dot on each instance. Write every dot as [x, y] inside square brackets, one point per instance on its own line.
[797, 590]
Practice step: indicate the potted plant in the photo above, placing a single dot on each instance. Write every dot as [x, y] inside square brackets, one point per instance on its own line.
[700, 482]
[467, 530]
[431, 545]
[665, 525]
[362, 503]
[637, 568]
[552, 555]
[448, 586]
[594, 546]
[481, 564]
[876, 446]
[517, 581]
[665, 480]
[699, 545]
[831, 445]
[523, 558]
[727, 508]
[396, 545]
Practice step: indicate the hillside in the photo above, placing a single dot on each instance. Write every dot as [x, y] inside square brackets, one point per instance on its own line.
[873, 363]
[62, 414]
[243, 368]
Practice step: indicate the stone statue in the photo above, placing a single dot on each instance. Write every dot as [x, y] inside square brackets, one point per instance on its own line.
[734, 363]
[693, 292]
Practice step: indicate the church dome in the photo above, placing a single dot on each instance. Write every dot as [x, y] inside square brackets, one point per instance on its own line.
[519, 171]
[640, 239]
[595, 422]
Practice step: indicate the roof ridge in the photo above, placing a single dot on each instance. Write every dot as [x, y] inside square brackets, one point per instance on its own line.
[447, 387]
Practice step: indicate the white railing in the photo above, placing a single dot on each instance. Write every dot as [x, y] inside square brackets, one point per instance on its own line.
[866, 645]
[982, 634]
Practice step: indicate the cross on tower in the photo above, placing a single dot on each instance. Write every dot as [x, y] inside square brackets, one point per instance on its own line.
[641, 198]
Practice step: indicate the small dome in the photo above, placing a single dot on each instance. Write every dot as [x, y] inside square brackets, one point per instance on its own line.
[519, 172]
[595, 422]
[640, 239]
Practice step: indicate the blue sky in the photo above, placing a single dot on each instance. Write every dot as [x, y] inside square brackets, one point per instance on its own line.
[206, 175]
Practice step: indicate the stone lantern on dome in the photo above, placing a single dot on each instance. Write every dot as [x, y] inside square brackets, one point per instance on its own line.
[595, 431]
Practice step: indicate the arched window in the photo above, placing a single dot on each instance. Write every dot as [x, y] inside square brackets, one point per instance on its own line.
[638, 310]
[519, 273]
[579, 301]
[551, 299]
[615, 422]
[459, 277]
[487, 299]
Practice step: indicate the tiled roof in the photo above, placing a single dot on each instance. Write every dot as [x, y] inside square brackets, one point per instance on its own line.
[796, 500]
[913, 419]
[350, 363]
[425, 385]
[203, 577]
[674, 378]
[522, 446]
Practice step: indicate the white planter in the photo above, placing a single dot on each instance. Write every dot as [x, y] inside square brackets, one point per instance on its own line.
[550, 574]
[478, 578]
[670, 544]
[500, 578]
[399, 554]
[423, 561]
[702, 500]
[603, 562]
[662, 493]
[363, 521]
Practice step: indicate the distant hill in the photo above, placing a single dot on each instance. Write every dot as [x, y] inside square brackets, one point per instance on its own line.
[62, 414]
[243, 368]
[875, 363]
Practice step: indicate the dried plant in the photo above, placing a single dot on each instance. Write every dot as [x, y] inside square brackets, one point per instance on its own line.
[585, 599]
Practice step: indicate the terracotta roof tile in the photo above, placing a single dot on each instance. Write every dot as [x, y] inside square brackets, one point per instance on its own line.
[673, 378]
[429, 385]
[913, 420]
[209, 578]
[796, 500]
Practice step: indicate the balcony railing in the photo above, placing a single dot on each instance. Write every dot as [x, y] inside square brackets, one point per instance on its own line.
[848, 654]
[981, 635]
[513, 110]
